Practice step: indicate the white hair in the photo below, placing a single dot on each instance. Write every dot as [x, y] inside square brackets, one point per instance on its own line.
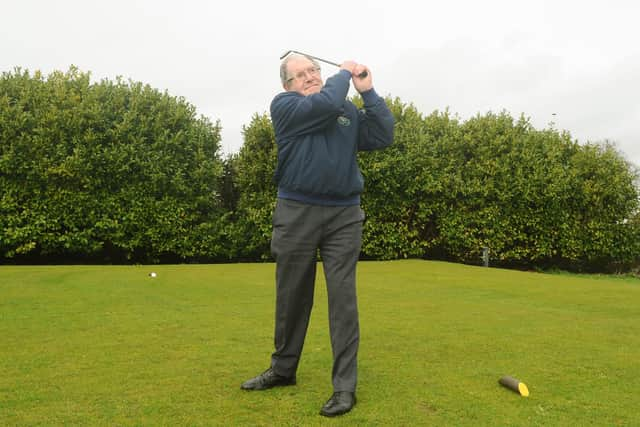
[284, 77]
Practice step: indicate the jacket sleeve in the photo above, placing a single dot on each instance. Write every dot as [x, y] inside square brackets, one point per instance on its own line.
[294, 114]
[376, 123]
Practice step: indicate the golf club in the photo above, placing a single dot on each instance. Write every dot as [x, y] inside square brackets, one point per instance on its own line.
[362, 75]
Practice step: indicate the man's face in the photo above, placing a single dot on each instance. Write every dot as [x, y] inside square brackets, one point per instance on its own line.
[304, 77]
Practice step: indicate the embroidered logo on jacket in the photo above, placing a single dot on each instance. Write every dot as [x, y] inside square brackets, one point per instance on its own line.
[344, 121]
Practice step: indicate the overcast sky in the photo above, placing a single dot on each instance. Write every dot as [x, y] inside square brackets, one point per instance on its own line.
[579, 59]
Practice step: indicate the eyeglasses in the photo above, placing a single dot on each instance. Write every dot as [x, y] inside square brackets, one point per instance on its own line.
[301, 75]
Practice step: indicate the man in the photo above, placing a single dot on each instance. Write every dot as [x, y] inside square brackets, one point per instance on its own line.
[318, 133]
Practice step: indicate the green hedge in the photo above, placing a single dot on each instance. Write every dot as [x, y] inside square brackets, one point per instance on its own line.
[120, 172]
[108, 171]
[446, 189]
[535, 198]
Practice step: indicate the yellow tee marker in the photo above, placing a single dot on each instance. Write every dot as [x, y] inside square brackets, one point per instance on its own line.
[515, 385]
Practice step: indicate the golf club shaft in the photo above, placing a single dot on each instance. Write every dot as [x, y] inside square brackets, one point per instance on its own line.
[362, 75]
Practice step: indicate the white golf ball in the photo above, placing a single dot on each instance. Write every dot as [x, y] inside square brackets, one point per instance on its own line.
[152, 274]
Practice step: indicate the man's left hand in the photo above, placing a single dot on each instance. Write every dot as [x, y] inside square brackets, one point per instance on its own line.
[361, 84]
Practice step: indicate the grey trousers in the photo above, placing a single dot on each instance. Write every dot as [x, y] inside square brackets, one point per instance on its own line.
[299, 230]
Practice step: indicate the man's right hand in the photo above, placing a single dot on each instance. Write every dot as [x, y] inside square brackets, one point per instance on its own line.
[350, 66]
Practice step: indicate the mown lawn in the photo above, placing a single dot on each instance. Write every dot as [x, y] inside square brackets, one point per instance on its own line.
[108, 345]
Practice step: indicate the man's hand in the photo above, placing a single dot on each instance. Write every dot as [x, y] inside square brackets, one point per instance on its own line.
[361, 84]
[349, 66]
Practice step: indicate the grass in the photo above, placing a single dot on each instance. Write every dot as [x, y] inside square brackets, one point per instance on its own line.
[108, 345]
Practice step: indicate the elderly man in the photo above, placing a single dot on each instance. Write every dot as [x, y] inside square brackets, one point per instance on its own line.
[318, 134]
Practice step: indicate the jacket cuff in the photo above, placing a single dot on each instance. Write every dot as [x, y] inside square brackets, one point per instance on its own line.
[370, 97]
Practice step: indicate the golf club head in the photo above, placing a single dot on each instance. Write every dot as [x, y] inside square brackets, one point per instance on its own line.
[289, 52]
[284, 55]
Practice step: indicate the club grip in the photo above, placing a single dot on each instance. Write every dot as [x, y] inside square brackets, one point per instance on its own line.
[363, 75]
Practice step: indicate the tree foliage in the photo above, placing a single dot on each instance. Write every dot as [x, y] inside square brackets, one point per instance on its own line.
[250, 224]
[116, 171]
[535, 198]
[112, 170]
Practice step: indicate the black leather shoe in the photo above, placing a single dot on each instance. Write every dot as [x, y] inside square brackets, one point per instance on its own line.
[267, 379]
[340, 403]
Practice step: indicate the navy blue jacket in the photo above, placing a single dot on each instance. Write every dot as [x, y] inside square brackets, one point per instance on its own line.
[318, 137]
